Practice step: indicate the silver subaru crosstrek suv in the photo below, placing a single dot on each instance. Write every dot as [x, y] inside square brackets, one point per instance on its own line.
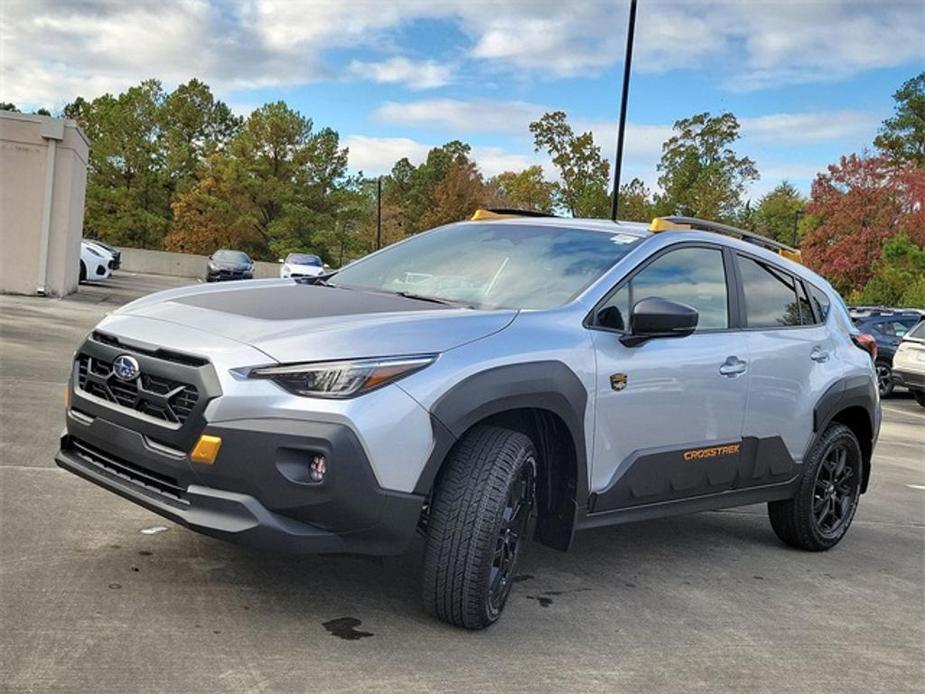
[482, 383]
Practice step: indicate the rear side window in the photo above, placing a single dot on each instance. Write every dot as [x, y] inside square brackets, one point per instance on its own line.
[918, 331]
[692, 276]
[771, 299]
[820, 302]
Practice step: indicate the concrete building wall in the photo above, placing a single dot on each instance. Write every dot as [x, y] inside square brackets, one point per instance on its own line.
[180, 264]
[43, 179]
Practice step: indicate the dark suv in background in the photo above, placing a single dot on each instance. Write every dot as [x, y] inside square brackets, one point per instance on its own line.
[887, 326]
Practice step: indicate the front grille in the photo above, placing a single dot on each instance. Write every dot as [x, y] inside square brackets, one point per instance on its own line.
[152, 481]
[155, 396]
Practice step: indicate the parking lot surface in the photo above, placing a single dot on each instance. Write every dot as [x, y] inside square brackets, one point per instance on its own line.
[99, 595]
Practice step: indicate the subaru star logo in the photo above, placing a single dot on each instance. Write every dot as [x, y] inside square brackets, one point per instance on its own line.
[126, 368]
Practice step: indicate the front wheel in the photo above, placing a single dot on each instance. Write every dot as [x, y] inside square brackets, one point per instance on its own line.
[477, 525]
[818, 517]
[884, 379]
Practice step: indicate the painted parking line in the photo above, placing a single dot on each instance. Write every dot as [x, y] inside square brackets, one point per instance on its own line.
[896, 410]
[916, 486]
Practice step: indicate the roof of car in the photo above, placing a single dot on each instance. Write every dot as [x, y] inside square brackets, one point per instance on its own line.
[603, 225]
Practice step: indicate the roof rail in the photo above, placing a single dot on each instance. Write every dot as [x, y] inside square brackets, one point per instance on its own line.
[505, 212]
[677, 222]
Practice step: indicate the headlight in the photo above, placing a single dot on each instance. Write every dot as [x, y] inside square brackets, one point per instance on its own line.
[342, 379]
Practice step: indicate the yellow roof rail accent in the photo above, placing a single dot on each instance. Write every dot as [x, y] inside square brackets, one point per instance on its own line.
[481, 215]
[791, 254]
[662, 224]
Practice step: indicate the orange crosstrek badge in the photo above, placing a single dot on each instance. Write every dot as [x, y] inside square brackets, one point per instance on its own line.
[712, 452]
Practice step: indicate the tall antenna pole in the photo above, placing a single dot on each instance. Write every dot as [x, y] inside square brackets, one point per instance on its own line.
[627, 64]
[379, 213]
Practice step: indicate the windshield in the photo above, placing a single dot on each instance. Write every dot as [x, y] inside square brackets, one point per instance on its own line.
[231, 256]
[303, 259]
[492, 265]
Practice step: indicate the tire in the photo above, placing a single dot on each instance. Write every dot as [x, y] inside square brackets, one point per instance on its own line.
[885, 383]
[919, 396]
[820, 514]
[477, 525]
[83, 272]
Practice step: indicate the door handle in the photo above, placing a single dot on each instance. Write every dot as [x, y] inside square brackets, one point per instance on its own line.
[819, 355]
[733, 366]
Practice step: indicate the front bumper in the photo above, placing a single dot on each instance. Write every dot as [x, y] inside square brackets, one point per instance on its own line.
[257, 492]
[909, 379]
[228, 275]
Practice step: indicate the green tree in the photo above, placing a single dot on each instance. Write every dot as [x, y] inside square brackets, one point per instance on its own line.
[898, 274]
[146, 145]
[526, 190]
[902, 137]
[778, 213]
[276, 187]
[636, 203]
[701, 175]
[584, 172]
[8, 106]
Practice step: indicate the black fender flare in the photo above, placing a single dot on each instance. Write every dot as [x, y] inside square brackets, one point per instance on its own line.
[544, 385]
[855, 391]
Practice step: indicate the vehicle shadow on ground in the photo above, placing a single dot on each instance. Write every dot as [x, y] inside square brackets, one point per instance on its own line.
[332, 587]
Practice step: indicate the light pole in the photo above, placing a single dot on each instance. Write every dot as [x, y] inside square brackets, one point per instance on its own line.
[796, 224]
[627, 63]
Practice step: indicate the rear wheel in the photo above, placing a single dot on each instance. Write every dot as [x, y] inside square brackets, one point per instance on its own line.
[820, 514]
[477, 525]
[884, 379]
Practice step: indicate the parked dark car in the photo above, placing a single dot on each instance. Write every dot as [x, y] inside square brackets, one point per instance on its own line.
[229, 265]
[887, 326]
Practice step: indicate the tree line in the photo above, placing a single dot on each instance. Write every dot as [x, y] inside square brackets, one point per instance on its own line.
[180, 171]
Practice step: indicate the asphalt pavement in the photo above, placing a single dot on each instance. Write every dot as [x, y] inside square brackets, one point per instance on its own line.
[99, 595]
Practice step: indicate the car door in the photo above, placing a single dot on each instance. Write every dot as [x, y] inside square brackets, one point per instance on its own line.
[791, 362]
[669, 412]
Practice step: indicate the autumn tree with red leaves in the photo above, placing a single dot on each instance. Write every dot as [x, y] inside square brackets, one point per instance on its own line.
[856, 206]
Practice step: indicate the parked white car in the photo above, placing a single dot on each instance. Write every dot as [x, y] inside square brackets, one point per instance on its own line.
[909, 362]
[301, 265]
[95, 262]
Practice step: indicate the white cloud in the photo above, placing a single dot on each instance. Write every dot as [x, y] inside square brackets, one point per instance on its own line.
[53, 50]
[809, 128]
[463, 116]
[377, 155]
[425, 74]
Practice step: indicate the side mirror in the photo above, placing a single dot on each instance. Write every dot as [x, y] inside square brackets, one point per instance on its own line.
[655, 317]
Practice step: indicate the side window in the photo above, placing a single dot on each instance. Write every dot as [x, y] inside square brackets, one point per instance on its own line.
[770, 295]
[806, 311]
[693, 276]
[820, 302]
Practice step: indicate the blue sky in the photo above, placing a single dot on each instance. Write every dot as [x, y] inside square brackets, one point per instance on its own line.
[809, 80]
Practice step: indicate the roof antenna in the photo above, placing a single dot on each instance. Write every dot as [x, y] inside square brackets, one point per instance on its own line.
[627, 63]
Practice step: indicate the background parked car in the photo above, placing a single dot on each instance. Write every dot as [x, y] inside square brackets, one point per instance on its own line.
[887, 326]
[226, 264]
[94, 262]
[909, 362]
[112, 250]
[301, 265]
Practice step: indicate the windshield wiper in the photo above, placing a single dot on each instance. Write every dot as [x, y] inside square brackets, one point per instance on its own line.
[431, 299]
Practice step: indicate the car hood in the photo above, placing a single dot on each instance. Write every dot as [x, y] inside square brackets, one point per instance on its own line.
[291, 322]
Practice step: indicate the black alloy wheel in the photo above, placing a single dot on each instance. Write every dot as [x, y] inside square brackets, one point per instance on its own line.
[836, 491]
[510, 536]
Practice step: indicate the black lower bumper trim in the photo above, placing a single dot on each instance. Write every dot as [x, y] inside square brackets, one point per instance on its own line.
[242, 519]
